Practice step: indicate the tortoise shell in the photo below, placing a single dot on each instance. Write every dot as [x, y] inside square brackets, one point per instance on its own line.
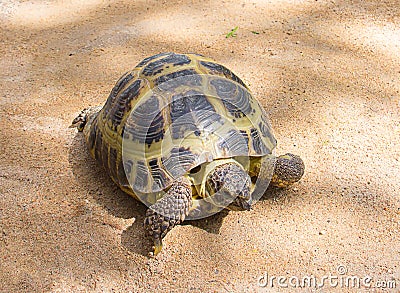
[172, 113]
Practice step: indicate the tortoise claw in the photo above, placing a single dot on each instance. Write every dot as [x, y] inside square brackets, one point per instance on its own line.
[157, 246]
[168, 211]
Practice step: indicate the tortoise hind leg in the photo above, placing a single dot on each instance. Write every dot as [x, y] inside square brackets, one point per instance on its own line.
[168, 211]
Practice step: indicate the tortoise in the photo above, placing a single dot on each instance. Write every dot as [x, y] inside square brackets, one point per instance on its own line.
[184, 135]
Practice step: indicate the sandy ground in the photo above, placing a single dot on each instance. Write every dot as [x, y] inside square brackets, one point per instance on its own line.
[328, 74]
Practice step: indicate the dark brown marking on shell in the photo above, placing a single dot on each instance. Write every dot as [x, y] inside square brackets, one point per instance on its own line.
[218, 68]
[185, 77]
[146, 122]
[158, 174]
[125, 134]
[92, 135]
[113, 157]
[104, 155]
[179, 161]
[122, 179]
[121, 83]
[265, 131]
[245, 136]
[235, 98]
[128, 166]
[97, 146]
[157, 66]
[234, 143]
[141, 179]
[123, 104]
[258, 144]
[192, 112]
[148, 59]
[265, 128]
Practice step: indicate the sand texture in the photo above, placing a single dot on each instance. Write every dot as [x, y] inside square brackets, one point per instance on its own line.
[327, 73]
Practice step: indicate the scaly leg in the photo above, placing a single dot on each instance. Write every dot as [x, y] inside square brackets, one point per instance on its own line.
[169, 211]
[289, 169]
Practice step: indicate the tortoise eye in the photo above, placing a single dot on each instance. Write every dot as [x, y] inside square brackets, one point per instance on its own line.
[195, 170]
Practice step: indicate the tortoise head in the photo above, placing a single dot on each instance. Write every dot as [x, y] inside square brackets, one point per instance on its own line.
[289, 169]
[229, 185]
[85, 118]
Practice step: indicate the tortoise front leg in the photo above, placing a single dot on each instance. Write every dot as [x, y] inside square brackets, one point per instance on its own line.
[168, 211]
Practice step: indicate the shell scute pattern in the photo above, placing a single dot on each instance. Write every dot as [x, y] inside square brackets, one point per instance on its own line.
[142, 174]
[221, 70]
[257, 141]
[173, 80]
[160, 178]
[123, 103]
[146, 123]
[113, 157]
[235, 99]
[127, 77]
[234, 143]
[165, 62]
[98, 153]
[145, 61]
[166, 107]
[179, 157]
[192, 112]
